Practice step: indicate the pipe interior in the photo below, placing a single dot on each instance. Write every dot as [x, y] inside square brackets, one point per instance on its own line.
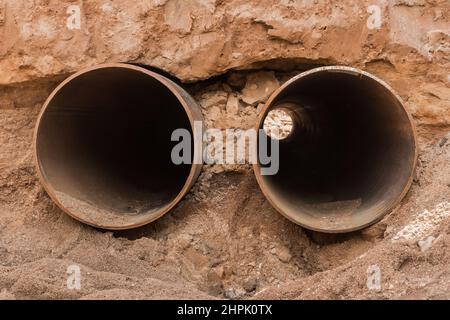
[350, 155]
[104, 144]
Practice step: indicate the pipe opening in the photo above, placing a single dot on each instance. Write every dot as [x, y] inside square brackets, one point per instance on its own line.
[351, 155]
[278, 123]
[103, 146]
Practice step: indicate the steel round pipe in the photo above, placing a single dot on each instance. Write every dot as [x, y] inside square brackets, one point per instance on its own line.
[103, 145]
[351, 155]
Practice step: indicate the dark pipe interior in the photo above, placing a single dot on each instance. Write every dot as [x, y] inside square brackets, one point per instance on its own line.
[350, 154]
[104, 142]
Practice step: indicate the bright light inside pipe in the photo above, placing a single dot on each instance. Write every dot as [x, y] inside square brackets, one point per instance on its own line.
[278, 124]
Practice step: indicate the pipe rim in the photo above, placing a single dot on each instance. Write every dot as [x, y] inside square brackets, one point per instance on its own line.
[353, 71]
[193, 113]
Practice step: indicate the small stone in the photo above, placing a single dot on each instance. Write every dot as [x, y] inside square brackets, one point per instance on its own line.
[284, 254]
[426, 244]
[443, 142]
[216, 274]
[215, 113]
[184, 241]
[250, 284]
[228, 271]
[236, 55]
[232, 106]
[214, 99]
[259, 86]
[230, 293]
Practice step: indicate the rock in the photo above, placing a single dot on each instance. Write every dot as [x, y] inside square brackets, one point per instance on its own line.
[232, 106]
[250, 284]
[236, 55]
[443, 142]
[214, 114]
[283, 254]
[437, 44]
[184, 241]
[423, 224]
[228, 271]
[426, 243]
[216, 274]
[214, 99]
[259, 86]
[232, 293]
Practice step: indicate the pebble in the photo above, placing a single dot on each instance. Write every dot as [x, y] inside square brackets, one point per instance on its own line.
[284, 255]
[232, 106]
[250, 284]
[214, 99]
[259, 86]
[426, 243]
[230, 293]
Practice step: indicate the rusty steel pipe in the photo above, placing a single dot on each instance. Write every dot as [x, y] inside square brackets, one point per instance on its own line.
[103, 145]
[351, 155]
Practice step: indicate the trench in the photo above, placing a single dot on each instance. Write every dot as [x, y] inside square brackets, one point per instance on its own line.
[237, 244]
